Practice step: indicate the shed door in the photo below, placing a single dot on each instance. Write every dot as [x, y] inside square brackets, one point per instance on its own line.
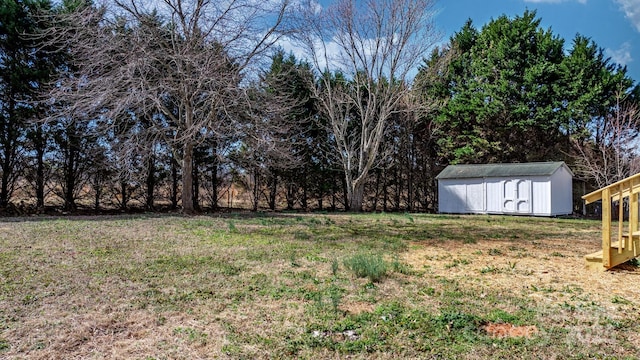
[516, 196]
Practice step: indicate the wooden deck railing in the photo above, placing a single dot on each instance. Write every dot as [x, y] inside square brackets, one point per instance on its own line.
[628, 239]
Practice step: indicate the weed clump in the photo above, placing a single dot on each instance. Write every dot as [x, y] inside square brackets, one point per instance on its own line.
[371, 266]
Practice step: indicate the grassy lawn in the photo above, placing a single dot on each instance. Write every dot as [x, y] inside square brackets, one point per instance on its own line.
[285, 286]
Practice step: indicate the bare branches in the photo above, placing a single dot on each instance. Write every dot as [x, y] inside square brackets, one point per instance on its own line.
[178, 64]
[374, 45]
[612, 154]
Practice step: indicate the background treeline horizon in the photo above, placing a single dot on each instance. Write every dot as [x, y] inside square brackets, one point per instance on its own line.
[140, 108]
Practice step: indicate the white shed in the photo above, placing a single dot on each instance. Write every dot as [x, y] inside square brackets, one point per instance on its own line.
[540, 189]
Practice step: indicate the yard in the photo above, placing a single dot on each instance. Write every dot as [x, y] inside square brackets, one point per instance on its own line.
[284, 286]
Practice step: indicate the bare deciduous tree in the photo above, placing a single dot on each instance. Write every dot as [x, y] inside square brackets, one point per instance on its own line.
[376, 45]
[178, 63]
[612, 153]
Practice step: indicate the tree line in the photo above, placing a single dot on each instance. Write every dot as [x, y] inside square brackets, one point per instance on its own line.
[186, 104]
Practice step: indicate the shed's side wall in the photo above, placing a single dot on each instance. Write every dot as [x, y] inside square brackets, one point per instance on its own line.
[561, 192]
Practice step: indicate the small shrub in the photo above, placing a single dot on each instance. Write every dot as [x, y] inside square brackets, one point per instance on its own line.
[335, 267]
[634, 262]
[232, 227]
[335, 294]
[620, 300]
[301, 235]
[456, 262]
[429, 291]
[193, 335]
[454, 320]
[469, 240]
[489, 270]
[401, 268]
[294, 261]
[371, 266]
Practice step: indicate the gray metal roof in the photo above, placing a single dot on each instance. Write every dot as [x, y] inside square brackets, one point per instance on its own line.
[500, 170]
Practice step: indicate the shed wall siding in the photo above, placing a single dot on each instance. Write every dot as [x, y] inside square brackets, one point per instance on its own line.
[513, 202]
[461, 196]
[561, 192]
[494, 196]
[475, 196]
[451, 196]
[540, 195]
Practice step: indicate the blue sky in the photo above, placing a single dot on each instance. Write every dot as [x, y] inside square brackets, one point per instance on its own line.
[613, 24]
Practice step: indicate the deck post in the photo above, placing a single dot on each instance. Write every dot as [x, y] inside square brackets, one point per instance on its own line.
[606, 227]
[627, 241]
[633, 217]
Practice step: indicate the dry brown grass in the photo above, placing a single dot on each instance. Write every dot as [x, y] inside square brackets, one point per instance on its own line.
[256, 286]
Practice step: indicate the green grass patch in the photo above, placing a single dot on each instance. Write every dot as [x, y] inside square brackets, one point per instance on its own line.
[366, 265]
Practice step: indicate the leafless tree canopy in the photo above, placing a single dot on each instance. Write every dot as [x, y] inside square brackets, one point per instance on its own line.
[179, 65]
[612, 153]
[375, 44]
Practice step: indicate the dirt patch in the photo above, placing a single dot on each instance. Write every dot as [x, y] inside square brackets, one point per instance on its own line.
[357, 307]
[550, 271]
[501, 331]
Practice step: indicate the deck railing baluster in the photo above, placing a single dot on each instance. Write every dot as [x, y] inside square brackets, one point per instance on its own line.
[620, 218]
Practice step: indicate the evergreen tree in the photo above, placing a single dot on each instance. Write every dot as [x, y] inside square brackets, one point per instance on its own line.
[25, 67]
[505, 102]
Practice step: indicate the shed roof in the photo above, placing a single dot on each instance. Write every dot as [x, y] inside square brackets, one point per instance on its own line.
[501, 170]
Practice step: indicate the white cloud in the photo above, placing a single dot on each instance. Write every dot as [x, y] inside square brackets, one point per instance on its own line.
[631, 10]
[621, 56]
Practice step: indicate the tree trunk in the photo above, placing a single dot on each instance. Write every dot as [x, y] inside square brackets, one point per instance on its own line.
[196, 184]
[377, 191]
[7, 170]
[290, 194]
[305, 195]
[174, 183]
[398, 187]
[8, 143]
[70, 176]
[39, 144]
[273, 192]
[334, 190]
[151, 181]
[97, 186]
[357, 197]
[346, 195]
[256, 192]
[214, 187]
[4, 187]
[187, 179]
[124, 195]
[214, 178]
[385, 192]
